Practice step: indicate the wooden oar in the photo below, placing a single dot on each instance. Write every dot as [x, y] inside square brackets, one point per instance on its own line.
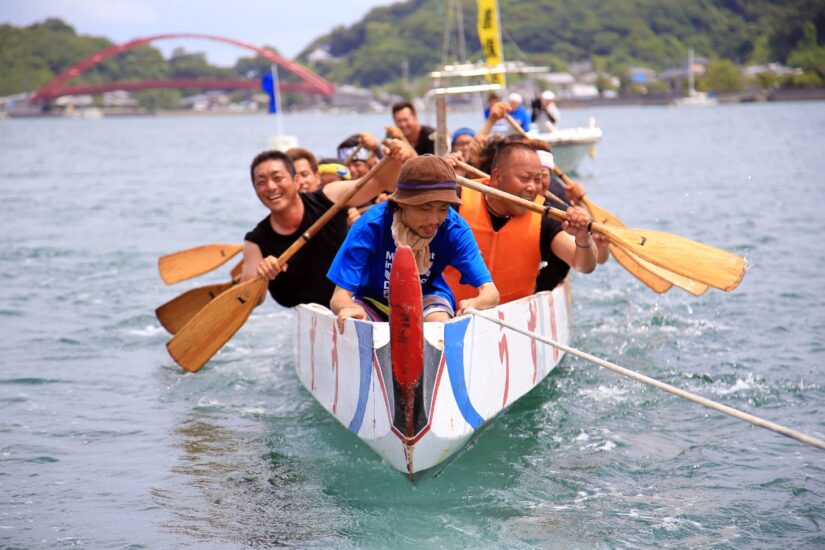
[694, 260]
[179, 310]
[352, 155]
[516, 126]
[730, 411]
[175, 313]
[653, 276]
[215, 324]
[192, 262]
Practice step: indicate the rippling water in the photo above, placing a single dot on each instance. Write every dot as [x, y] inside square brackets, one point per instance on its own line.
[105, 443]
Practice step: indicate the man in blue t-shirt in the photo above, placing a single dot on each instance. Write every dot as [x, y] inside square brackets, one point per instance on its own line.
[418, 215]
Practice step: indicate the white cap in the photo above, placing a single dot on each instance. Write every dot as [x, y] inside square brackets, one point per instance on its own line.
[546, 159]
[548, 95]
[515, 98]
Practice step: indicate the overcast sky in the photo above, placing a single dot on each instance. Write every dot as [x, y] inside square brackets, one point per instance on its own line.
[288, 25]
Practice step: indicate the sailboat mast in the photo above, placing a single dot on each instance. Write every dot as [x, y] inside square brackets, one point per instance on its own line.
[691, 88]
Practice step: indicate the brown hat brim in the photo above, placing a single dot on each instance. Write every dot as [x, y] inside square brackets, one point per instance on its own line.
[420, 197]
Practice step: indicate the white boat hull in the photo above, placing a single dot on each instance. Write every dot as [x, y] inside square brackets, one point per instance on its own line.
[570, 145]
[473, 369]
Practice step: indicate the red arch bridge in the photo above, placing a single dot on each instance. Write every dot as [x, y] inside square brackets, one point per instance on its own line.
[310, 83]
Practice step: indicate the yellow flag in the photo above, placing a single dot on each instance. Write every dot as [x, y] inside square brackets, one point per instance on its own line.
[490, 37]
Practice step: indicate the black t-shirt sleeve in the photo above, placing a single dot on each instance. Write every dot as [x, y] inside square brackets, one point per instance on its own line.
[258, 234]
[549, 229]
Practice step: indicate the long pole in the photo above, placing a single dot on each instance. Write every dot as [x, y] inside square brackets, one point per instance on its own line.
[730, 411]
[279, 123]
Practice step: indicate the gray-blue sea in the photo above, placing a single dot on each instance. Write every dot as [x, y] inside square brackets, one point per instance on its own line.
[106, 443]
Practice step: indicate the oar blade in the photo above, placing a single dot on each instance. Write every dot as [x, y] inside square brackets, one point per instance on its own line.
[633, 266]
[237, 271]
[601, 215]
[192, 262]
[697, 261]
[175, 313]
[214, 325]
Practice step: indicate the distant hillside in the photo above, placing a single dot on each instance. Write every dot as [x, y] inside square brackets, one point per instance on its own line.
[615, 34]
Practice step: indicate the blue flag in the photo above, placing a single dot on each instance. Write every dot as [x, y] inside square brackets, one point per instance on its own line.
[268, 85]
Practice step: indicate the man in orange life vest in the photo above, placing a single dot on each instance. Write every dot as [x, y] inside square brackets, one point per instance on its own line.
[514, 240]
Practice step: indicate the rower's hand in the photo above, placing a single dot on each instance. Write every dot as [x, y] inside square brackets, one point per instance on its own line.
[454, 158]
[469, 303]
[368, 141]
[498, 110]
[399, 150]
[269, 268]
[394, 132]
[352, 312]
[352, 215]
[478, 143]
[576, 223]
[575, 191]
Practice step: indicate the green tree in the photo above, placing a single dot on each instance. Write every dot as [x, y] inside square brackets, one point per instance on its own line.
[808, 54]
[722, 75]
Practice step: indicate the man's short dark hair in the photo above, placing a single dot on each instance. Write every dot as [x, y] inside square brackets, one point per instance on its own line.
[271, 155]
[401, 105]
[506, 151]
[298, 153]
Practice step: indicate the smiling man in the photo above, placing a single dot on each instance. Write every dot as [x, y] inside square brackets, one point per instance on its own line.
[408, 127]
[291, 213]
[514, 240]
[418, 215]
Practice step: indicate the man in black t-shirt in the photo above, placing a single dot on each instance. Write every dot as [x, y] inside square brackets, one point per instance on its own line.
[407, 126]
[303, 279]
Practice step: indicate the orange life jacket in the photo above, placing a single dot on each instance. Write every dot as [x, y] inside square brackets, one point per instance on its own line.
[511, 254]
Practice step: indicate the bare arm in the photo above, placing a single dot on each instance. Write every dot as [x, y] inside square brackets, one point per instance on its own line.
[575, 245]
[488, 297]
[255, 265]
[384, 180]
[342, 305]
[497, 112]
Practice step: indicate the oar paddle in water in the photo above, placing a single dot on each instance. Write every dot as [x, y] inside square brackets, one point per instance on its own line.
[215, 324]
[192, 262]
[694, 260]
[650, 274]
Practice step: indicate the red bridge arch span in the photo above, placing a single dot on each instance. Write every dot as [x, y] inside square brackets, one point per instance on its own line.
[310, 82]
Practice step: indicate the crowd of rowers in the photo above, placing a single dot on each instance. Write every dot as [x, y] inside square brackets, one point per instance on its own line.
[472, 250]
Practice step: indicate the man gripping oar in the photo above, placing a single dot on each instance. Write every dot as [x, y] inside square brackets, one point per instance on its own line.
[303, 280]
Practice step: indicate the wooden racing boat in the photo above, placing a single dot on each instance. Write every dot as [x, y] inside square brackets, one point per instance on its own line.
[416, 392]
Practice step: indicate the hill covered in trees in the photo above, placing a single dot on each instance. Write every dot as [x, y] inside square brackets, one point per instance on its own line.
[612, 35]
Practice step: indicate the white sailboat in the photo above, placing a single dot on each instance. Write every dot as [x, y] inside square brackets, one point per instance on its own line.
[570, 145]
[694, 98]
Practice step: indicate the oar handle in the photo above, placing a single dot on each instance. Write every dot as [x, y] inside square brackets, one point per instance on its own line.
[479, 174]
[554, 213]
[558, 171]
[516, 126]
[352, 155]
[553, 196]
[470, 169]
[333, 210]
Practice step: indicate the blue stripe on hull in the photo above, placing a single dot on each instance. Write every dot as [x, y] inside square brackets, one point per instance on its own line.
[454, 352]
[364, 331]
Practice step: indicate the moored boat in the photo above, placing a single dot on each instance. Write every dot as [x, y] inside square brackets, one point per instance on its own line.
[570, 145]
[471, 369]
